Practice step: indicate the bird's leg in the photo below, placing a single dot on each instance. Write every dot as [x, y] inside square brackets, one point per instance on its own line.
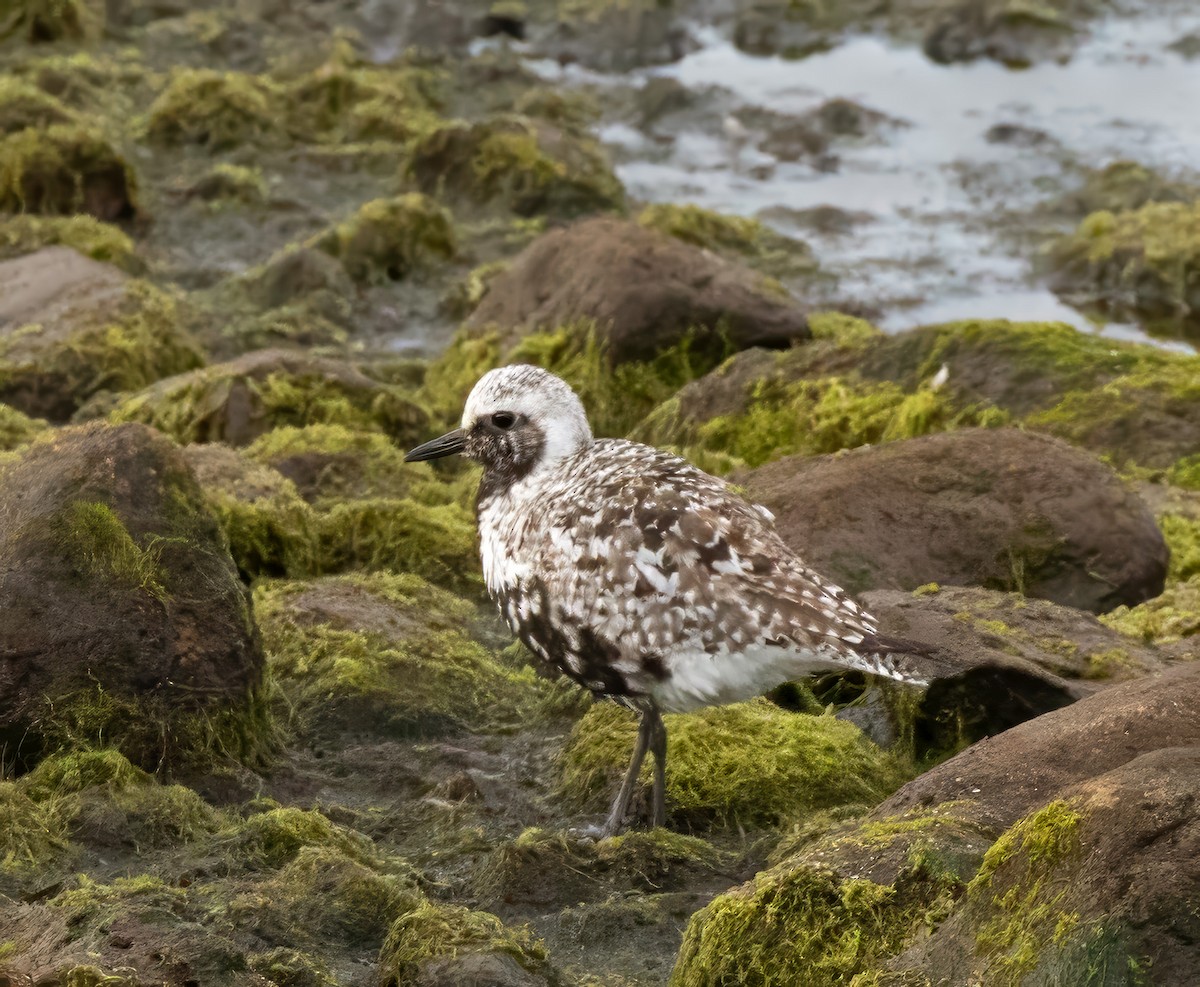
[658, 747]
[620, 805]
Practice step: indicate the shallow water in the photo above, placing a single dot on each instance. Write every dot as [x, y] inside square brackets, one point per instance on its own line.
[946, 206]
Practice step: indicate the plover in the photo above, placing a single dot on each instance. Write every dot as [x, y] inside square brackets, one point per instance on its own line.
[641, 577]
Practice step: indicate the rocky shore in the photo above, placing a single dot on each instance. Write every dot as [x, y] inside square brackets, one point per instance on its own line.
[258, 722]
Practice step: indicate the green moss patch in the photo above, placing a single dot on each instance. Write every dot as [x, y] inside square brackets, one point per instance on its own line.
[217, 110]
[1171, 616]
[63, 170]
[387, 239]
[16, 429]
[24, 105]
[388, 653]
[431, 932]
[751, 763]
[226, 183]
[40, 21]
[524, 165]
[1142, 261]
[24, 234]
[743, 238]
[132, 337]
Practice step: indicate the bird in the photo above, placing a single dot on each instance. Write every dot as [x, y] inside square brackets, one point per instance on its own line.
[641, 577]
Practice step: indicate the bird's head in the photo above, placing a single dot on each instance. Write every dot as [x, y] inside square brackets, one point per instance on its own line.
[518, 420]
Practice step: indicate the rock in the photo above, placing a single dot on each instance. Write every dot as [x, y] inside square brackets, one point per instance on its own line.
[118, 588]
[71, 328]
[643, 290]
[1186, 46]
[1143, 262]
[615, 37]
[476, 970]
[527, 166]
[1017, 135]
[1121, 186]
[1089, 815]
[995, 660]
[1101, 876]
[1007, 31]
[999, 508]
[64, 170]
[237, 401]
[216, 110]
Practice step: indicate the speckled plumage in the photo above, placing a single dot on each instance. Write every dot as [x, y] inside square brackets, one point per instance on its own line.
[644, 578]
[638, 575]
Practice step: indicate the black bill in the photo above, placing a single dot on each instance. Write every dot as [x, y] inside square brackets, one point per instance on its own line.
[446, 445]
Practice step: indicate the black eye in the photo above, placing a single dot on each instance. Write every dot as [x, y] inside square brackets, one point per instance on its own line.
[504, 420]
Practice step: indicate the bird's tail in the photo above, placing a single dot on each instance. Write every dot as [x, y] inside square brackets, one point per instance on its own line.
[893, 658]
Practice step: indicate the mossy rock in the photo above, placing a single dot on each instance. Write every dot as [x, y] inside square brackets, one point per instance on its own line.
[225, 184]
[748, 764]
[79, 329]
[237, 401]
[388, 239]
[63, 170]
[385, 653]
[347, 99]
[1143, 263]
[1122, 186]
[216, 110]
[271, 530]
[746, 239]
[441, 943]
[25, 105]
[40, 21]
[527, 166]
[25, 234]
[16, 429]
[124, 605]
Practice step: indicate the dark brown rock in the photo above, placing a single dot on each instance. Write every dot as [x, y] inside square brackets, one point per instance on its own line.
[1001, 508]
[114, 575]
[644, 290]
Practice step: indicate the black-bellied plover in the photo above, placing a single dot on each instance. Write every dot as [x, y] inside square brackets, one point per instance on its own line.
[638, 575]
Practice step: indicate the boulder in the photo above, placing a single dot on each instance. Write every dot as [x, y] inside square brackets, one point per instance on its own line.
[643, 290]
[1000, 508]
[239, 400]
[64, 170]
[71, 327]
[117, 584]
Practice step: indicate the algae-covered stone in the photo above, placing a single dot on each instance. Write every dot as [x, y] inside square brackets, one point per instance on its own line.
[746, 239]
[271, 530]
[24, 105]
[217, 110]
[237, 401]
[988, 507]
[16, 428]
[386, 239]
[1171, 616]
[230, 183]
[74, 328]
[524, 165]
[123, 609]
[384, 653]
[448, 944]
[63, 170]
[644, 292]
[747, 764]
[52, 20]
[1013, 32]
[1144, 262]
[1123, 185]
[25, 234]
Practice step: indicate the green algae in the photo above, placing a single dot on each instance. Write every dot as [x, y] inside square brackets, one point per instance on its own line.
[388, 239]
[24, 234]
[216, 110]
[431, 931]
[1018, 879]
[745, 239]
[100, 544]
[386, 652]
[1185, 473]
[24, 105]
[16, 429]
[1182, 535]
[39, 21]
[63, 170]
[32, 832]
[1171, 616]
[747, 764]
[1142, 261]
[286, 967]
[274, 838]
[119, 347]
[224, 184]
[523, 165]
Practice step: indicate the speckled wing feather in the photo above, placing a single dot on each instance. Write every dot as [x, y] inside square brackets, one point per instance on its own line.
[664, 583]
